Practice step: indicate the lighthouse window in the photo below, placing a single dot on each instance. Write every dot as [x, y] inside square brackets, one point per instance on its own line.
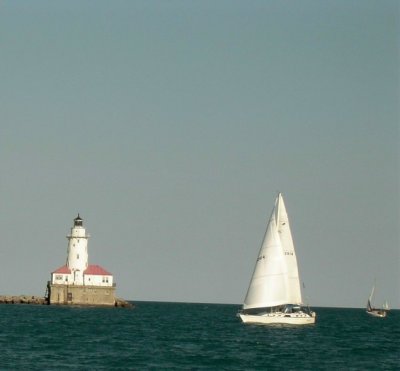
[77, 256]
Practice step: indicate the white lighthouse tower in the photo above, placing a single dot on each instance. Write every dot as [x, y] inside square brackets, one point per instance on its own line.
[77, 253]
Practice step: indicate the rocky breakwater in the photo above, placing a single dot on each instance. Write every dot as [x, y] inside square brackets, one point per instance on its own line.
[40, 300]
[23, 299]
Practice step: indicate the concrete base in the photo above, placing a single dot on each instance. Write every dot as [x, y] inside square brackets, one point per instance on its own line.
[81, 295]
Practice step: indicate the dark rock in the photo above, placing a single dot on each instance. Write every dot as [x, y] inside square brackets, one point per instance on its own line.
[121, 303]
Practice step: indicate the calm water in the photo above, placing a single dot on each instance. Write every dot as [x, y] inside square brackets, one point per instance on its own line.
[191, 336]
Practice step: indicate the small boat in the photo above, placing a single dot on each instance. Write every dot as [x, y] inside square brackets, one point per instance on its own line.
[274, 294]
[376, 312]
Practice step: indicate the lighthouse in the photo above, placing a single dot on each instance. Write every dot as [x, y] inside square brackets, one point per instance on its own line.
[78, 282]
[77, 253]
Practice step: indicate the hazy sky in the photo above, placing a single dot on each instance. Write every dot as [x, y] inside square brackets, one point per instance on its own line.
[170, 126]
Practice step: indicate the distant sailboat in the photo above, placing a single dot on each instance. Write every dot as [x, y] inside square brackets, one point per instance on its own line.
[376, 312]
[274, 294]
[386, 306]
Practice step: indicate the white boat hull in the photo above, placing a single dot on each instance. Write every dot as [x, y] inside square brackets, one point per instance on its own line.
[284, 318]
[377, 313]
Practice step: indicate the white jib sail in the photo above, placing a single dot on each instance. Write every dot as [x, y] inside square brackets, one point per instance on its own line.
[275, 279]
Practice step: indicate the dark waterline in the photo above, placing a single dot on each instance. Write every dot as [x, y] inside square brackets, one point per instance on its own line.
[191, 336]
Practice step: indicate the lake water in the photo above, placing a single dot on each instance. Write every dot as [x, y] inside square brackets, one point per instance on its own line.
[191, 336]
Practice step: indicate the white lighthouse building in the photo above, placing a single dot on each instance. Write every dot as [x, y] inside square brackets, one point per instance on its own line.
[77, 282]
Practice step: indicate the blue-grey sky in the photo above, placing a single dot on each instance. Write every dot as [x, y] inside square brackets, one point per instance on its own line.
[170, 126]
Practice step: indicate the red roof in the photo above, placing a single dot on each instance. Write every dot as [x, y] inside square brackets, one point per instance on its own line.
[63, 269]
[96, 270]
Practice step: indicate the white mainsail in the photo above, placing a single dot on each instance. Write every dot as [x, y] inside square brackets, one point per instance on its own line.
[292, 272]
[275, 279]
[369, 303]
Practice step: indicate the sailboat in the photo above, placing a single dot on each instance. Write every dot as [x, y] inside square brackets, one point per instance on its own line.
[274, 293]
[376, 312]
